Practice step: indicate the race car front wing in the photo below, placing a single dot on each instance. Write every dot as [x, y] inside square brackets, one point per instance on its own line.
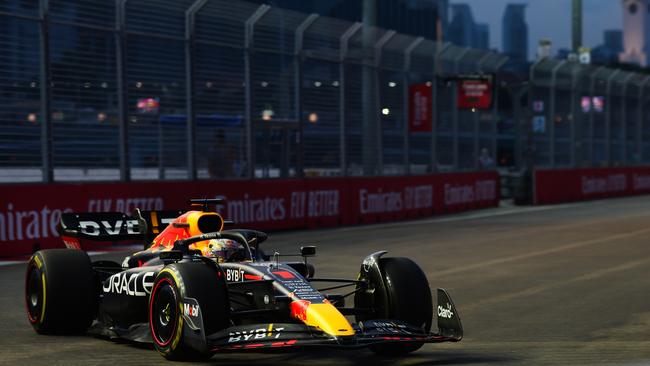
[370, 332]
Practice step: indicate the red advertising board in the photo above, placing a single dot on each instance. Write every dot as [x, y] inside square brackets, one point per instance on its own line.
[29, 214]
[420, 106]
[568, 185]
[474, 92]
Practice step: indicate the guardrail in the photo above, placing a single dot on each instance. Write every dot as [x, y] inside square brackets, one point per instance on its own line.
[569, 185]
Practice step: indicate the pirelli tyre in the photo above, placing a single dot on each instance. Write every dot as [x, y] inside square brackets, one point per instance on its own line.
[398, 290]
[183, 293]
[61, 293]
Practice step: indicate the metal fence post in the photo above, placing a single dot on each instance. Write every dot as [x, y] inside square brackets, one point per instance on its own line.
[495, 110]
[574, 118]
[248, 51]
[479, 66]
[46, 92]
[553, 92]
[405, 100]
[344, 44]
[592, 115]
[531, 149]
[298, 79]
[624, 116]
[639, 122]
[379, 134]
[608, 118]
[122, 89]
[456, 113]
[190, 73]
[437, 72]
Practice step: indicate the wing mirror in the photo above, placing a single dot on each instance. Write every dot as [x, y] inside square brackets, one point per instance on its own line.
[170, 256]
[308, 251]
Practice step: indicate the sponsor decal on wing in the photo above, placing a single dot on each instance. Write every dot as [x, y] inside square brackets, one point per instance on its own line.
[445, 312]
[259, 333]
[299, 309]
[323, 316]
[286, 275]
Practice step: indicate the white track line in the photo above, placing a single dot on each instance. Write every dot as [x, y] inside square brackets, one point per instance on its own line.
[492, 212]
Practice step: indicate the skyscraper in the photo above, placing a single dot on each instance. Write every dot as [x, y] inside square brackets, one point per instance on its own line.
[464, 31]
[636, 31]
[613, 38]
[461, 27]
[482, 36]
[515, 33]
[609, 51]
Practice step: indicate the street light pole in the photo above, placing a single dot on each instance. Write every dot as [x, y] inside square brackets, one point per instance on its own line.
[576, 25]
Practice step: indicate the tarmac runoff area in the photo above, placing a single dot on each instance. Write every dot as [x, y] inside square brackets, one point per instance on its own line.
[550, 285]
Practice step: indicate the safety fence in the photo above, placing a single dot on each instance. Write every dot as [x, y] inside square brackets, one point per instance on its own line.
[29, 216]
[586, 116]
[214, 89]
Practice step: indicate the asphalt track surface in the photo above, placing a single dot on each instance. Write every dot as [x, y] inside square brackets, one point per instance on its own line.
[557, 285]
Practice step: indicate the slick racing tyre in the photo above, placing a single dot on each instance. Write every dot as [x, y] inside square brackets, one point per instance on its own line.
[176, 284]
[401, 293]
[60, 291]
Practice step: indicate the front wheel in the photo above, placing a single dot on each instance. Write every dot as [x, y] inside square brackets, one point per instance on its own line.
[400, 292]
[180, 292]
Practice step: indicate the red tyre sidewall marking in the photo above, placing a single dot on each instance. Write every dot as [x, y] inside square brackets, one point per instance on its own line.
[153, 298]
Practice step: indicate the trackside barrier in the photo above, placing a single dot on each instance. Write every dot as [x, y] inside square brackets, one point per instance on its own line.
[29, 214]
[569, 185]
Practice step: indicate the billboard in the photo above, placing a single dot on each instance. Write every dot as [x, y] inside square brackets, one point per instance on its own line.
[474, 92]
[568, 185]
[29, 214]
[597, 103]
[420, 107]
[148, 105]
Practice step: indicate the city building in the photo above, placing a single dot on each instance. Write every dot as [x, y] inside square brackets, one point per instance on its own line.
[515, 33]
[609, 51]
[413, 17]
[483, 36]
[464, 31]
[613, 38]
[563, 53]
[636, 31]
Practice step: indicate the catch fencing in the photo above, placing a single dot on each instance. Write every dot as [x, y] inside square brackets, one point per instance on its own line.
[587, 116]
[213, 89]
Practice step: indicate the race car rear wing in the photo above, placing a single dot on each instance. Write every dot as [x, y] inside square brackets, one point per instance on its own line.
[115, 226]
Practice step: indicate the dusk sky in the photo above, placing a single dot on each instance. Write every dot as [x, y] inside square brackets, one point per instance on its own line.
[550, 19]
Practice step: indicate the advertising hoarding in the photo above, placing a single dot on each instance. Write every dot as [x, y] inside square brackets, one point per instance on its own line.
[475, 92]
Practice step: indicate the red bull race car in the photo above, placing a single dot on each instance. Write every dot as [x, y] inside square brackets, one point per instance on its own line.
[198, 289]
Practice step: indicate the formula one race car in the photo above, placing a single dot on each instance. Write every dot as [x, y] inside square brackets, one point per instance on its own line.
[198, 289]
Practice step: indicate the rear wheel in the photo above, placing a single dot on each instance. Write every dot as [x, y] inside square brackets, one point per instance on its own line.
[176, 282]
[60, 291]
[402, 293]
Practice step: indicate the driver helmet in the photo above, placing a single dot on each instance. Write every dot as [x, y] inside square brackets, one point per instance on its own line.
[223, 249]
